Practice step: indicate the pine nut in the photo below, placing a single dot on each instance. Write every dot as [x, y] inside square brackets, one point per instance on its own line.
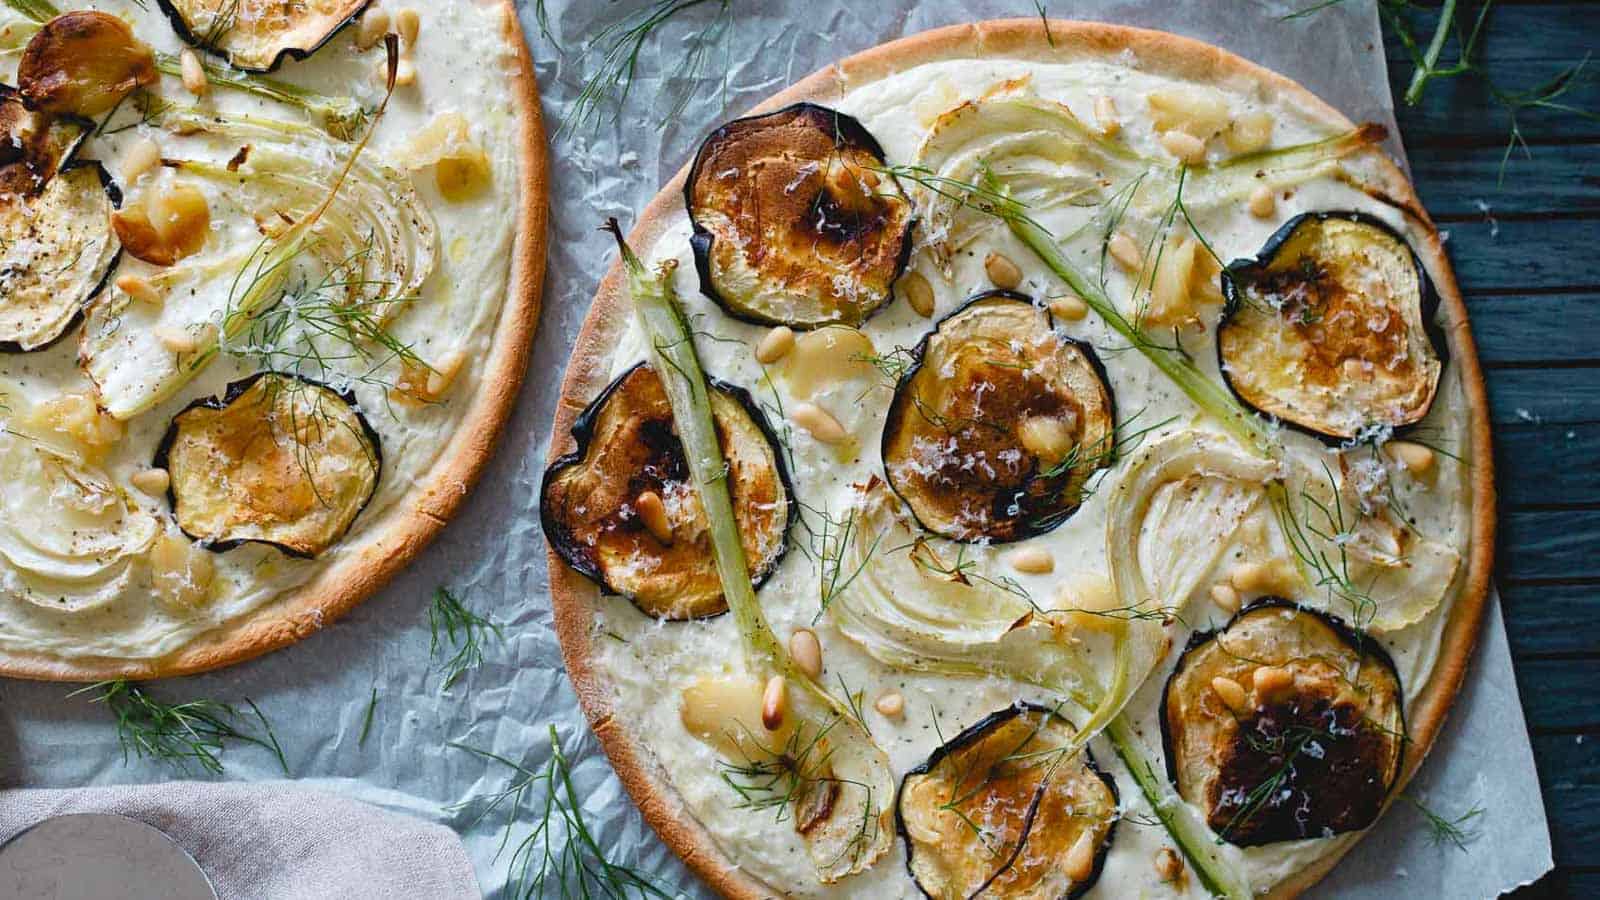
[151, 481]
[919, 294]
[1169, 865]
[409, 25]
[444, 374]
[405, 72]
[1033, 561]
[819, 423]
[138, 289]
[142, 156]
[373, 26]
[1125, 251]
[1249, 132]
[1225, 597]
[1105, 116]
[1070, 308]
[891, 705]
[807, 652]
[1003, 273]
[1048, 437]
[1262, 202]
[775, 345]
[177, 340]
[774, 702]
[1250, 577]
[1269, 679]
[194, 74]
[1186, 147]
[1232, 694]
[653, 513]
[1079, 862]
[1414, 458]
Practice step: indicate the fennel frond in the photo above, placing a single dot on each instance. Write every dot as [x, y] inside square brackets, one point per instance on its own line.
[460, 628]
[195, 731]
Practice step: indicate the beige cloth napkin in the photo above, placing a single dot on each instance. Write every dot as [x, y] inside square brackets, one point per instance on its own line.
[276, 841]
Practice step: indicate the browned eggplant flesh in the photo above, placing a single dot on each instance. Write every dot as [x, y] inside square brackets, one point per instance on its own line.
[1284, 725]
[623, 510]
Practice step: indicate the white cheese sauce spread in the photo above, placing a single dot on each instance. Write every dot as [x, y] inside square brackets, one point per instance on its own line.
[649, 663]
[452, 316]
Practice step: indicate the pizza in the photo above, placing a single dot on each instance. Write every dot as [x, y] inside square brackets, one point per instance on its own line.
[270, 277]
[1023, 460]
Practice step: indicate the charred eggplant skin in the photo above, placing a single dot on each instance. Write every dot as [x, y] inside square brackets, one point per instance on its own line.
[233, 392]
[975, 732]
[1241, 269]
[898, 410]
[1365, 647]
[848, 132]
[583, 431]
[180, 25]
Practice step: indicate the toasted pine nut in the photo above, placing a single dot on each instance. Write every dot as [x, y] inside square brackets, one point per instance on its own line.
[138, 289]
[1105, 116]
[1186, 147]
[405, 73]
[1069, 308]
[194, 74]
[1003, 273]
[919, 294]
[374, 24]
[1033, 561]
[1250, 577]
[891, 705]
[1226, 597]
[1271, 678]
[142, 156]
[819, 423]
[1262, 203]
[1169, 865]
[151, 481]
[807, 651]
[409, 25]
[1231, 692]
[1048, 437]
[1125, 251]
[775, 346]
[1079, 862]
[1415, 458]
[1249, 132]
[774, 702]
[177, 340]
[653, 513]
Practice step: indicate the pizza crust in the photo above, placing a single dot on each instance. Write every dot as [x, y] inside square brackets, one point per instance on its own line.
[574, 598]
[337, 589]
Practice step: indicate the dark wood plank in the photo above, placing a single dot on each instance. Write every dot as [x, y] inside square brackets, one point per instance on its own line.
[1558, 699]
[1551, 620]
[1511, 329]
[1552, 544]
[1544, 466]
[1462, 110]
[1454, 179]
[1522, 31]
[1570, 775]
[1516, 256]
[1549, 397]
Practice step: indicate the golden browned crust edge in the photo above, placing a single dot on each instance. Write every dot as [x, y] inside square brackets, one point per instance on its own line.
[336, 590]
[574, 598]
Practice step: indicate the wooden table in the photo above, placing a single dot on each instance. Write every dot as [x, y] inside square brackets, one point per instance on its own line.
[1527, 251]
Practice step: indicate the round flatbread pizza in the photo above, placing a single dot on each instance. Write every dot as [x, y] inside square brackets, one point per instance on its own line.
[1023, 460]
[271, 275]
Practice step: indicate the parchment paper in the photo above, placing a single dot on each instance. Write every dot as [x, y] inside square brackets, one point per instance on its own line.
[316, 693]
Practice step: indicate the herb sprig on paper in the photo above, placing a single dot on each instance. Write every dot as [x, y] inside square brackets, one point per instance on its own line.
[181, 734]
[452, 625]
[560, 856]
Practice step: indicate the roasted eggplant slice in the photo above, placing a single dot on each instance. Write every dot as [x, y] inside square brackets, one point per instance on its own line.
[277, 459]
[1330, 329]
[56, 245]
[998, 423]
[258, 35]
[793, 222]
[1285, 724]
[622, 510]
[83, 63]
[1001, 812]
